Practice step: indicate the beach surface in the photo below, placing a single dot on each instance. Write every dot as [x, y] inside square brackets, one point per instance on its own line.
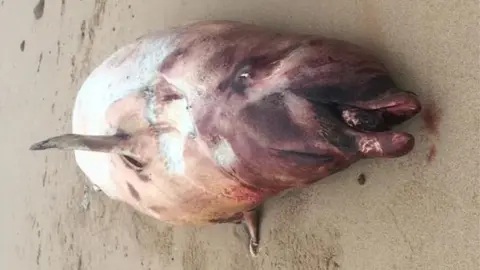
[421, 211]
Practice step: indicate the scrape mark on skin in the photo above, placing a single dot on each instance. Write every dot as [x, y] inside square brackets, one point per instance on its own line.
[172, 147]
[40, 58]
[170, 97]
[368, 145]
[39, 9]
[22, 46]
[149, 97]
[223, 153]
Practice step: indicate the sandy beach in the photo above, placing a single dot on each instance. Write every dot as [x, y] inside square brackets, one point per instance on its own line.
[421, 211]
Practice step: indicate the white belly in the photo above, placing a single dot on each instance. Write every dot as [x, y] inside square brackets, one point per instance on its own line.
[128, 70]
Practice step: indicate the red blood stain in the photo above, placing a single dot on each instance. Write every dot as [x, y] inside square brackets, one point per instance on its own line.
[244, 194]
[431, 117]
[432, 152]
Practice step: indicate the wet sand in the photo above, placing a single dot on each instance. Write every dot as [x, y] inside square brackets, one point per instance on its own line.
[420, 211]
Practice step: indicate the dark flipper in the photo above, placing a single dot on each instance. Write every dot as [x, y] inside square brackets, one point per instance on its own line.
[251, 221]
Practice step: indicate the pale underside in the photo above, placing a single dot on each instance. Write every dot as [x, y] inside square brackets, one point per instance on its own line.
[118, 96]
[118, 76]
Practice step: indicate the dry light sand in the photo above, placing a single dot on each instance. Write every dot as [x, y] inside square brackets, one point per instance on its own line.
[416, 212]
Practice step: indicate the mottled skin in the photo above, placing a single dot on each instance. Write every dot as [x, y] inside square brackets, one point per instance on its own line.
[203, 122]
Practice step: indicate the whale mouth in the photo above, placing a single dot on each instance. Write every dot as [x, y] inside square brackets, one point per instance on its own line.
[382, 114]
[372, 121]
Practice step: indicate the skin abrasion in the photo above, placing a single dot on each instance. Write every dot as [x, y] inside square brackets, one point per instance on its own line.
[370, 146]
[223, 153]
[172, 147]
[202, 123]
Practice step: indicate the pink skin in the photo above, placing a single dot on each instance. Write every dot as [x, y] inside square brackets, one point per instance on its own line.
[202, 123]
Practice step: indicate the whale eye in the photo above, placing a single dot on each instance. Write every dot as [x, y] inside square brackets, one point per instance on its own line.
[241, 80]
[244, 75]
[241, 77]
